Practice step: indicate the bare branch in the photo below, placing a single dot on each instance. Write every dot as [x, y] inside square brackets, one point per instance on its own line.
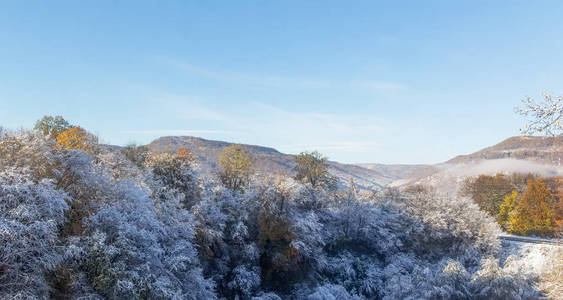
[543, 117]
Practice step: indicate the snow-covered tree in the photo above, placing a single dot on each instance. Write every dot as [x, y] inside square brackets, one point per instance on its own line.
[171, 175]
[494, 282]
[30, 214]
[137, 252]
[543, 117]
[97, 225]
[226, 236]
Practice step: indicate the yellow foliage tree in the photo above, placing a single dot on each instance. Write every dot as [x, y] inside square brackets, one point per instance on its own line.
[506, 208]
[76, 138]
[534, 214]
[312, 168]
[236, 167]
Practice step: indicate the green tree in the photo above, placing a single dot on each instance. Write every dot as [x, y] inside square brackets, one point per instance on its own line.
[52, 126]
[312, 168]
[235, 168]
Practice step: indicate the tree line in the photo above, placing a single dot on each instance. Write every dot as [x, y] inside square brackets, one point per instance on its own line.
[522, 204]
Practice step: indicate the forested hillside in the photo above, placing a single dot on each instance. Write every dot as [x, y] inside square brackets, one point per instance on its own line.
[80, 221]
[523, 204]
[543, 149]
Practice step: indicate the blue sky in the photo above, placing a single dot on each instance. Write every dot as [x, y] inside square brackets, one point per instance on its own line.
[360, 81]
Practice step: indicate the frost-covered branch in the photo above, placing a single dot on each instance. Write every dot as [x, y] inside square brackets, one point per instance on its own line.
[543, 117]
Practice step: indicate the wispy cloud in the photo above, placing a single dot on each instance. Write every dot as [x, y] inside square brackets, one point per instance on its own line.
[273, 81]
[332, 133]
[312, 124]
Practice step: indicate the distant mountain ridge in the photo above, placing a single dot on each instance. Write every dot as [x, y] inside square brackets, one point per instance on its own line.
[520, 154]
[207, 152]
[547, 150]
[269, 160]
[543, 154]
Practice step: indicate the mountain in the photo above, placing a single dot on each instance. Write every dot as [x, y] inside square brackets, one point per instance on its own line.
[269, 160]
[207, 152]
[540, 155]
[521, 154]
[547, 150]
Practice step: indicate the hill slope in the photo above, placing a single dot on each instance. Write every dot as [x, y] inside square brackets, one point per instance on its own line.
[269, 160]
[546, 150]
[538, 155]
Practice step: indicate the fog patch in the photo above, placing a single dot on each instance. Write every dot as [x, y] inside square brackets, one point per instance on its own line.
[507, 166]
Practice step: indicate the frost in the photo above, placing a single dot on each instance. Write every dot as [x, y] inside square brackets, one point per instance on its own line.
[99, 226]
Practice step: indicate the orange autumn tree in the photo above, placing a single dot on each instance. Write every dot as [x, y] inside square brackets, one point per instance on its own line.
[559, 211]
[488, 191]
[534, 214]
[281, 263]
[185, 155]
[556, 186]
[76, 138]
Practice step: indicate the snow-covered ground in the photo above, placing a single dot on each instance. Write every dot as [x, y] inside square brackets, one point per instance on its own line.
[545, 262]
